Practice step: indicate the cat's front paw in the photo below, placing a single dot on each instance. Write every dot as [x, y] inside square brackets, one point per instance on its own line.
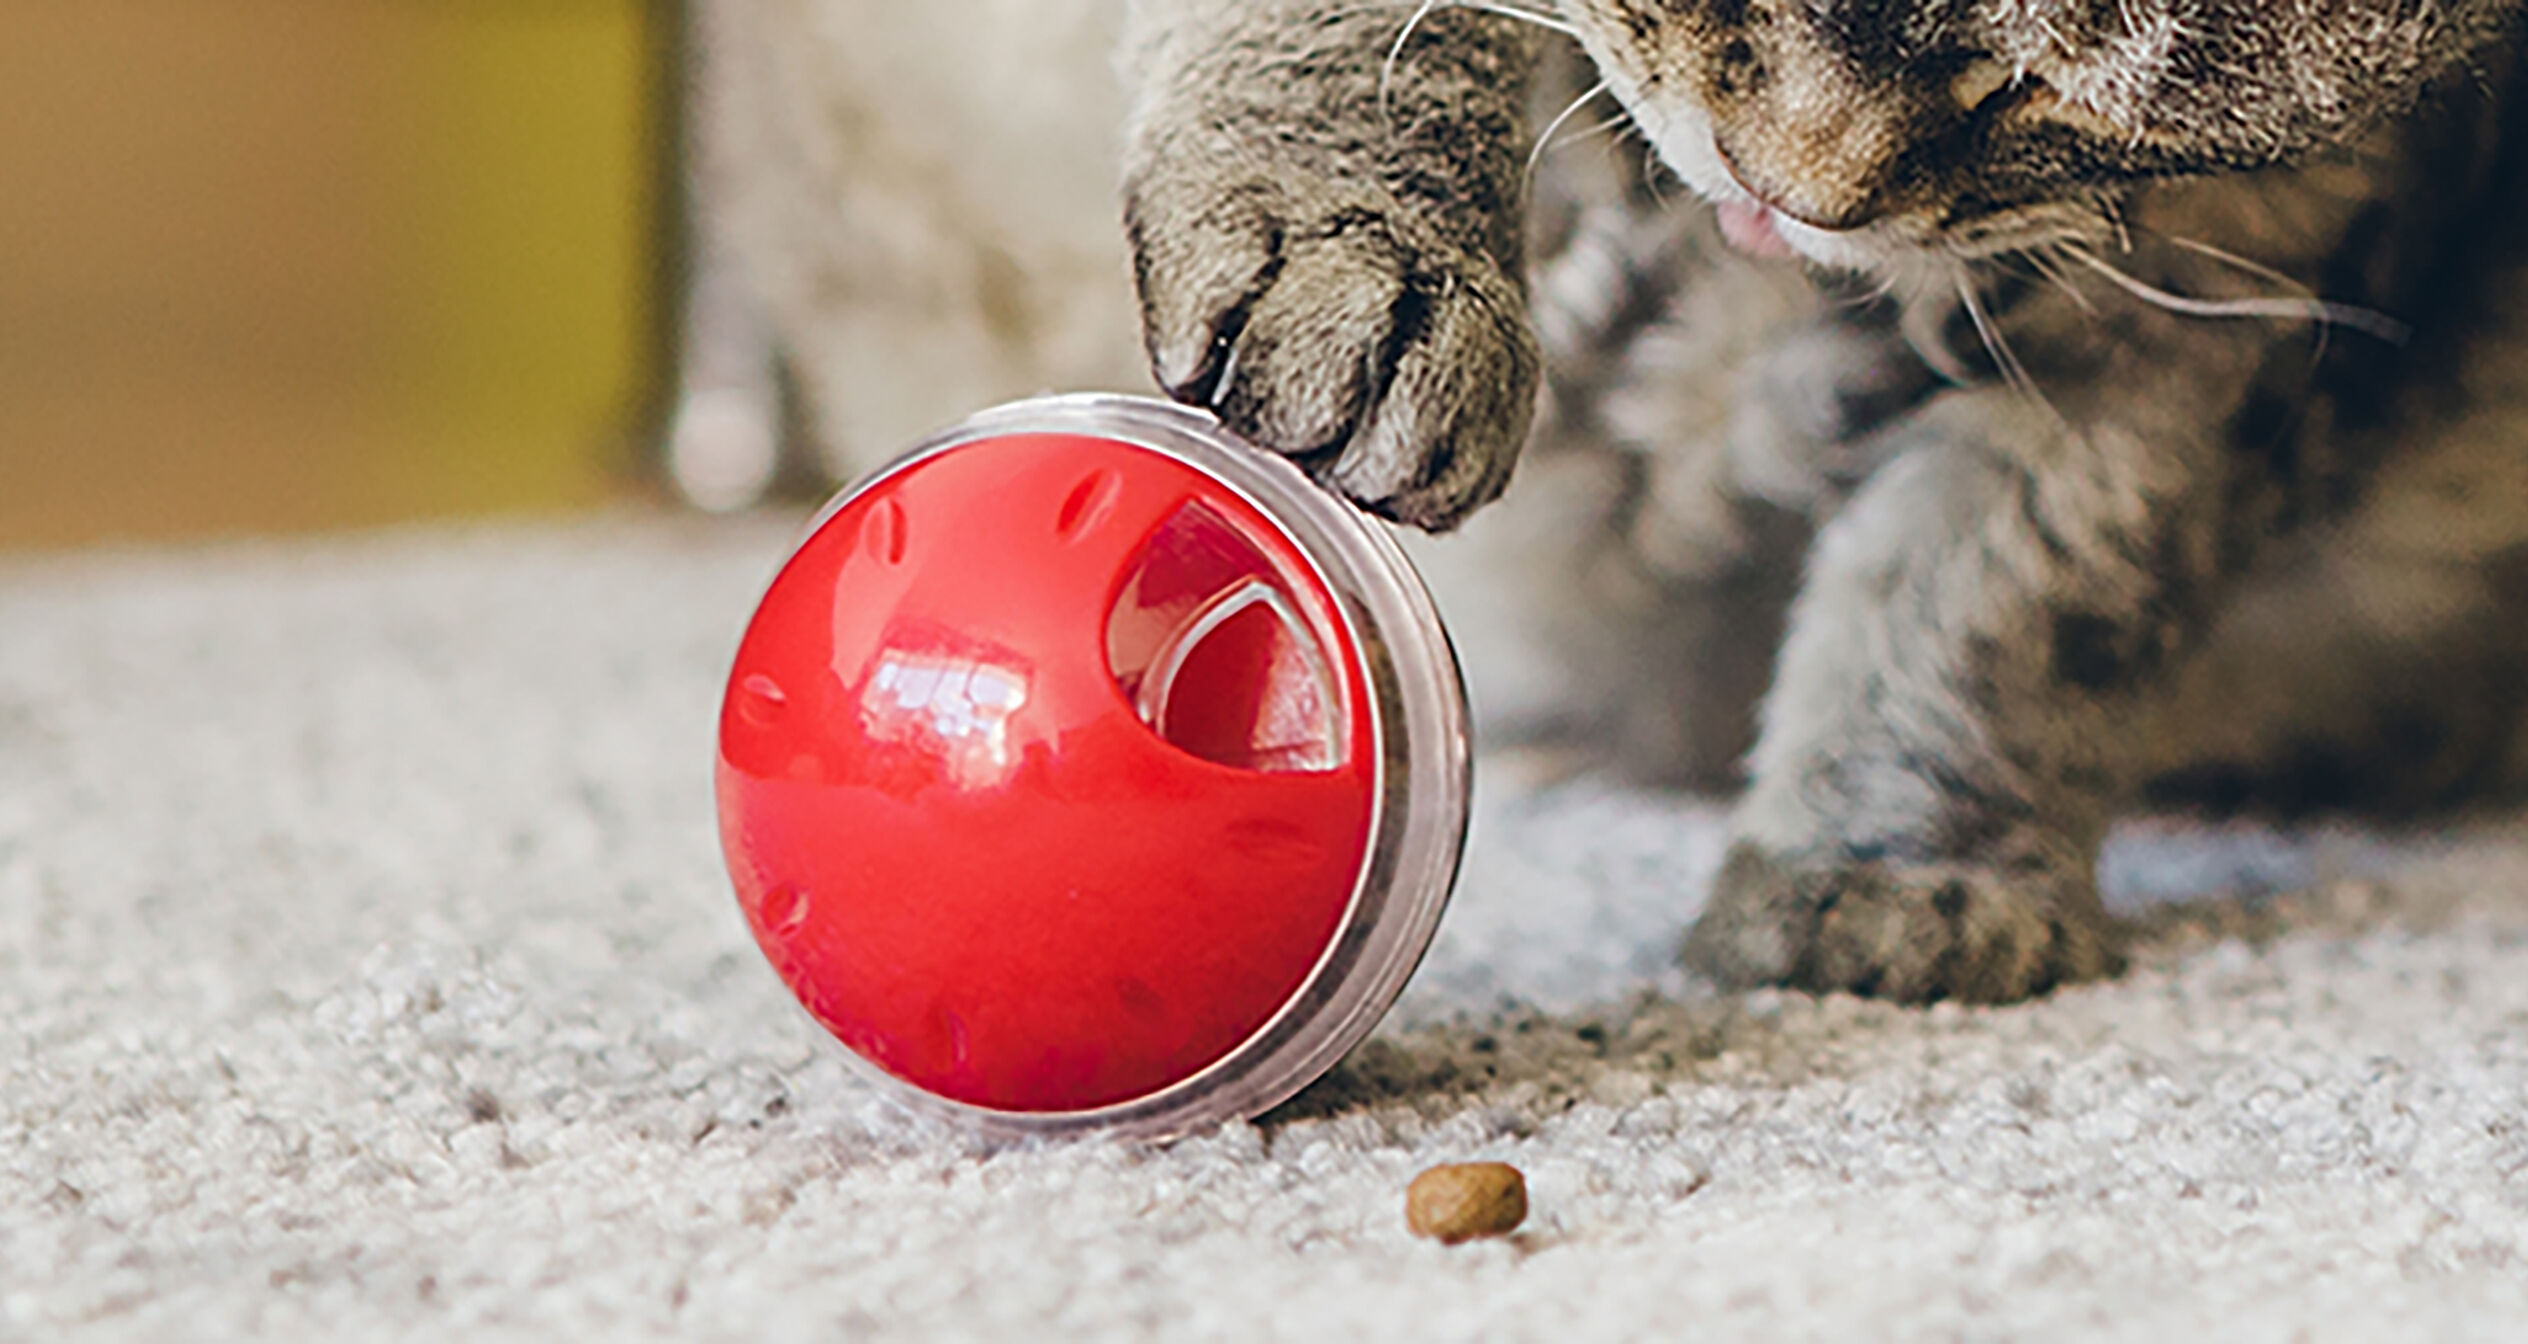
[1397, 368]
[1909, 932]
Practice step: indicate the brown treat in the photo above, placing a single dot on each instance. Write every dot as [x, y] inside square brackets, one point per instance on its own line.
[1463, 1201]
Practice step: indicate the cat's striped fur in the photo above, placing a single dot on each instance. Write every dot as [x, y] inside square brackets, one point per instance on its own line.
[2010, 457]
[2151, 406]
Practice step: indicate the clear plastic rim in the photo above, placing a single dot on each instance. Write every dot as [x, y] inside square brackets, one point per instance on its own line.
[1424, 777]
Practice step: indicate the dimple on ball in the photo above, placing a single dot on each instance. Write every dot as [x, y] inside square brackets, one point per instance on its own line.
[1088, 769]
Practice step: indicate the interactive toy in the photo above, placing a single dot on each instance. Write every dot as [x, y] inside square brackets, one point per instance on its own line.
[1090, 769]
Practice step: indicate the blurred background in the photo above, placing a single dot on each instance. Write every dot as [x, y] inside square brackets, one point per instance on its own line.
[312, 264]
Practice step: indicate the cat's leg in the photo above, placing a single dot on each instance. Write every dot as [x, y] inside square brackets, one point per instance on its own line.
[1703, 410]
[1629, 595]
[1624, 599]
[1751, 412]
[1962, 698]
[1326, 218]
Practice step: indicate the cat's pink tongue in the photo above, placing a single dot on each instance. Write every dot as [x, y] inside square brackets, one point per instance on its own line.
[1749, 228]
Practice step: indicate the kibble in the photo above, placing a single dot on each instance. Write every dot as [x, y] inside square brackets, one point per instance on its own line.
[1466, 1200]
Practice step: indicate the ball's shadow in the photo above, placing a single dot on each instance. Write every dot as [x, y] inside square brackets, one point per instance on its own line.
[1786, 1036]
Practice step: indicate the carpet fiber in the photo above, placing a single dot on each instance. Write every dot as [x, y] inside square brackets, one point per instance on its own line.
[366, 969]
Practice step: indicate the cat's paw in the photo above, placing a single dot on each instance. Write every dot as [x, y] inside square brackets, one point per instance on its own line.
[1912, 933]
[1397, 368]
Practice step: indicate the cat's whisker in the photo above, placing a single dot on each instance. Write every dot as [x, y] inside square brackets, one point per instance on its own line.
[1882, 285]
[1871, 297]
[2041, 256]
[2325, 330]
[2112, 211]
[1653, 168]
[2033, 228]
[2226, 257]
[1922, 320]
[1508, 11]
[2013, 372]
[1395, 54]
[1621, 123]
[1423, 11]
[2365, 320]
[1545, 139]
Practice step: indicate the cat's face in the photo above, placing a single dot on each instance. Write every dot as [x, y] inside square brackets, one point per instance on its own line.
[1867, 133]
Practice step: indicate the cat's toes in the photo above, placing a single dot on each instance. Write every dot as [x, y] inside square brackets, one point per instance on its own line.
[1912, 933]
[1397, 370]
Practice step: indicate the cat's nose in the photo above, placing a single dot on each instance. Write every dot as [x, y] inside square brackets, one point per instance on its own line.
[1829, 207]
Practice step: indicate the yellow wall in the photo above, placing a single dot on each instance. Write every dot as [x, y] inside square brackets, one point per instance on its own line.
[276, 264]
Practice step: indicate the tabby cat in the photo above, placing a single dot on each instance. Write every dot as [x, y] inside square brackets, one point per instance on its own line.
[2145, 385]
[2037, 407]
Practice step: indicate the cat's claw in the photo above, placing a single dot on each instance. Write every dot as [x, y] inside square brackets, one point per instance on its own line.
[1399, 371]
[1911, 933]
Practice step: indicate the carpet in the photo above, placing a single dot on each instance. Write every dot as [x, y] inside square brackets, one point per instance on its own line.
[366, 970]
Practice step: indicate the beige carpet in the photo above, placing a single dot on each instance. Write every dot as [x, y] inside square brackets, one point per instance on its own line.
[366, 971]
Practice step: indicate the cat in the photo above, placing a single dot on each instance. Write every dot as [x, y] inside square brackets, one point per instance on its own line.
[1946, 423]
[2142, 386]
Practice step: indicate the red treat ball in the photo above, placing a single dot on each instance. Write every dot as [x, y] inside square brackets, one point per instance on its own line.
[1054, 771]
